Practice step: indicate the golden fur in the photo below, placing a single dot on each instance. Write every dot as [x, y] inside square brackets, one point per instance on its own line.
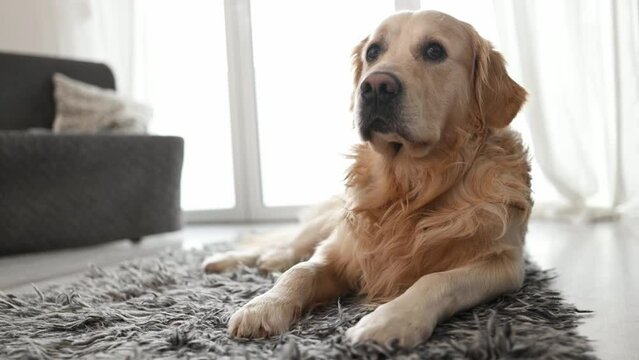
[409, 221]
[434, 227]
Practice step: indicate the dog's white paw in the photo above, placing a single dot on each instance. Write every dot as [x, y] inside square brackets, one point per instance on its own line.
[263, 316]
[228, 260]
[277, 260]
[389, 325]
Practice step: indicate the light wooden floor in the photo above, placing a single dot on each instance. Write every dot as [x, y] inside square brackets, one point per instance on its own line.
[598, 267]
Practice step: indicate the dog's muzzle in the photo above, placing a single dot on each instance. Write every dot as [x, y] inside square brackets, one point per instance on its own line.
[379, 96]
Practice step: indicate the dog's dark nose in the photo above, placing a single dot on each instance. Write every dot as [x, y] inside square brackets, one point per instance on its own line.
[381, 87]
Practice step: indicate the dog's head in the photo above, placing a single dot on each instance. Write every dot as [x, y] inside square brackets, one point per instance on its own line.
[421, 74]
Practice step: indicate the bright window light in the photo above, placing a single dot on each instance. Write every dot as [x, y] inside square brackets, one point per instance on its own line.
[479, 13]
[186, 75]
[304, 84]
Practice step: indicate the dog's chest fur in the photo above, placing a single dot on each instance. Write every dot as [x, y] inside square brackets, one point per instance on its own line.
[415, 220]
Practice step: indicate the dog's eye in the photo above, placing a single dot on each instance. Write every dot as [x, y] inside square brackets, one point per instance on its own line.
[373, 52]
[434, 52]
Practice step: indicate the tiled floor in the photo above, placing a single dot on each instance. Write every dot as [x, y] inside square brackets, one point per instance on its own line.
[598, 267]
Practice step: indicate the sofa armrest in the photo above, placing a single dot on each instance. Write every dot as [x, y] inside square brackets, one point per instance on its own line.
[73, 190]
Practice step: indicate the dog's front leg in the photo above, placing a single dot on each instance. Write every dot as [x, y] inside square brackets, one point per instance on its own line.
[305, 284]
[411, 318]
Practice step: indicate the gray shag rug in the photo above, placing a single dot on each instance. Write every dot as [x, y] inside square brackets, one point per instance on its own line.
[165, 308]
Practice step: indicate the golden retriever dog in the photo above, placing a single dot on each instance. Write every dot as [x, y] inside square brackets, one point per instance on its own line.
[437, 201]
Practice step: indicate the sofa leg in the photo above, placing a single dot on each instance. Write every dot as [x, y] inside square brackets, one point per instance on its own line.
[136, 240]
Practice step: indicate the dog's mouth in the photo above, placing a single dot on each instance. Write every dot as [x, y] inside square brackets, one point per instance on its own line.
[392, 144]
[381, 131]
[380, 125]
[376, 125]
[392, 139]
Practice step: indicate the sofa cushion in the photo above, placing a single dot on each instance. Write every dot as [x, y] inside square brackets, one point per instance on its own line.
[85, 108]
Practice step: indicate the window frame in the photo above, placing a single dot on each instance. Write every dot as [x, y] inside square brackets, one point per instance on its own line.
[249, 205]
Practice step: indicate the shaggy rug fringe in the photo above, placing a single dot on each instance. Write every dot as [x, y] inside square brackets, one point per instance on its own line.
[166, 308]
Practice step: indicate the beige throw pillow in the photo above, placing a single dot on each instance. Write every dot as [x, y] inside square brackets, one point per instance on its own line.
[85, 108]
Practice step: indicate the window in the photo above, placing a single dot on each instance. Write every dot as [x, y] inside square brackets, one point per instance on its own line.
[303, 86]
[479, 13]
[264, 99]
[285, 117]
[185, 66]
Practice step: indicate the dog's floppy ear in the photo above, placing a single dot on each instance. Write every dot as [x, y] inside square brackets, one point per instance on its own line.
[358, 66]
[499, 97]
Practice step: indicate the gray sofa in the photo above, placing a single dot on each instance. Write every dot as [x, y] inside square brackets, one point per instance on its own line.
[74, 190]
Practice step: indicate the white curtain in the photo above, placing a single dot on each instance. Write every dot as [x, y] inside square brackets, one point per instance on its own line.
[98, 30]
[579, 61]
